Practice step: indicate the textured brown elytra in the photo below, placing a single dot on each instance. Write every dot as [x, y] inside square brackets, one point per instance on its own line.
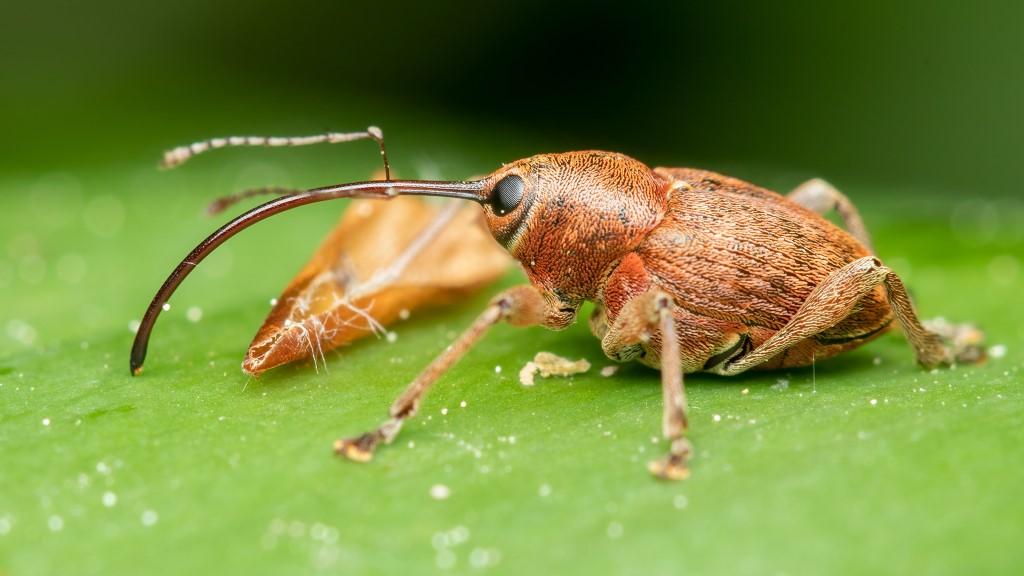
[736, 276]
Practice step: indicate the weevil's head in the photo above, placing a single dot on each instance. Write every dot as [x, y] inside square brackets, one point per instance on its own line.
[568, 217]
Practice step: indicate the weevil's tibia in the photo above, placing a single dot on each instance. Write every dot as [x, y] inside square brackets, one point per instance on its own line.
[519, 305]
[181, 154]
[641, 316]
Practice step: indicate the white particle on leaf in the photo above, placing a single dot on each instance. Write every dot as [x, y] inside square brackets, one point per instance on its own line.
[440, 492]
[716, 418]
[391, 337]
[194, 314]
[166, 306]
[149, 518]
[109, 499]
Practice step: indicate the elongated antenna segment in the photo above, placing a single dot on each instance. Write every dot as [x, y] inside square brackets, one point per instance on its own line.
[181, 154]
[473, 190]
[221, 204]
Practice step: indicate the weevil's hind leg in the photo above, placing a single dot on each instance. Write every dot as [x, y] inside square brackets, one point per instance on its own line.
[820, 196]
[639, 318]
[520, 306]
[836, 298]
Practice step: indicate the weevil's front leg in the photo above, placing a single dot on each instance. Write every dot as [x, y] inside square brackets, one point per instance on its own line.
[836, 298]
[520, 306]
[638, 319]
[820, 196]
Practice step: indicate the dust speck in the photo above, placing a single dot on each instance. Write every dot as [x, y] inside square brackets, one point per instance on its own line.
[149, 518]
[614, 530]
[194, 314]
[440, 492]
[109, 499]
[547, 364]
[544, 491]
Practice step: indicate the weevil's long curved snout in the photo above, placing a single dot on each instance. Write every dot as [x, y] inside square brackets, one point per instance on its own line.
[475, 190]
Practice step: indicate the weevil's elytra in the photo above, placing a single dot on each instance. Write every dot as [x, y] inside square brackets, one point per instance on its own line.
[689, 271]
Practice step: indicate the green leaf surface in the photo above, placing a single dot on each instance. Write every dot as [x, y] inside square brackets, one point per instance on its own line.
[863, 464]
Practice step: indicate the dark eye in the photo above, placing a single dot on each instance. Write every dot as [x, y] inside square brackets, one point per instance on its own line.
[507, 194]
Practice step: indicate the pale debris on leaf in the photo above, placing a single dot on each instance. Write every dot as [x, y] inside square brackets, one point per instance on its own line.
[382, 260]
[547, 364]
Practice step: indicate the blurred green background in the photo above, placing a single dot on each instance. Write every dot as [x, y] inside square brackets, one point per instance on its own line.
[866, 464]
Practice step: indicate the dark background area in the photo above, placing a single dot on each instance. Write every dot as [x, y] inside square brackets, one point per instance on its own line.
[915, 93]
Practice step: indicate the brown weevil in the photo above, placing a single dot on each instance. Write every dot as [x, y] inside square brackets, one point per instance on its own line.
[736, 276]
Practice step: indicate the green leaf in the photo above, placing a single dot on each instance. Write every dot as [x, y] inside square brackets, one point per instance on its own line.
[862, 464]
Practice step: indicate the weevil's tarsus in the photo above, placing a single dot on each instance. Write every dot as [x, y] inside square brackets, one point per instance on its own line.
[964, 341]
[519, 305]
[820, 196]
[182, 154]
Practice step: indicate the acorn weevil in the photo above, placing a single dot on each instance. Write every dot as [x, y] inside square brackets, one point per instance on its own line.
[738, 276]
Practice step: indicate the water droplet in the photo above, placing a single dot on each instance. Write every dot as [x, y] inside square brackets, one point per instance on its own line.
[149, 518]
[55, 523]
[440, 492]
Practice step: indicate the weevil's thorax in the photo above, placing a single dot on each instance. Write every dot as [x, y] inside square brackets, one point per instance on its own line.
[579, 212]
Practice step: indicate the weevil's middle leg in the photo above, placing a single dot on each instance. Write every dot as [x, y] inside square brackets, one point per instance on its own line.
[820, 196]
[520, 306]
[639, 318]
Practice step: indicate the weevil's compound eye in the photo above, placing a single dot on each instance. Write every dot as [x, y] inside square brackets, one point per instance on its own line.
[507, 194]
